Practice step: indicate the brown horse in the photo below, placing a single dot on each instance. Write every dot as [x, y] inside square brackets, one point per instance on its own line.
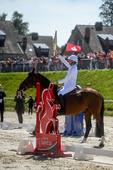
[88, 101]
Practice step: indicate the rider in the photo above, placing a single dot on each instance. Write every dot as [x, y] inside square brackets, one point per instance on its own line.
[70, 80]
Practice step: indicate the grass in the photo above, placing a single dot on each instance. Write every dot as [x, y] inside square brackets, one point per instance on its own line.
[101, 80]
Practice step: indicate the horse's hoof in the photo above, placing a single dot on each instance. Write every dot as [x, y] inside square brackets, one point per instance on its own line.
[101, 145]
[33, 133]
[83, 141]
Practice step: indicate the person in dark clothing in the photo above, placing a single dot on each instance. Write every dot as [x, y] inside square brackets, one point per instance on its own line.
[19, 107]
[2, 95]
[30, 104]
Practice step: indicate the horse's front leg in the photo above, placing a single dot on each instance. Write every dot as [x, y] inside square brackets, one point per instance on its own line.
[88, 127]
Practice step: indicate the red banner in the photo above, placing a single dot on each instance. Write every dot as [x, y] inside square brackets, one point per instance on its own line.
[73, 48]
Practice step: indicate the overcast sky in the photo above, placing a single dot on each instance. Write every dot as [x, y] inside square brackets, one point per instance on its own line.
[46, 16]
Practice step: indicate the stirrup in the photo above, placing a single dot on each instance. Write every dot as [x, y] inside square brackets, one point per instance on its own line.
[61, 100]
[61, 111]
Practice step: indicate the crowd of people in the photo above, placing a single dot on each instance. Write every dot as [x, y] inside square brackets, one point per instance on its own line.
[98, 60]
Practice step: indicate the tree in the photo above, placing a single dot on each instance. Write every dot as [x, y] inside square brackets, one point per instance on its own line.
[3, 16]
[107, 12]
[21, 26]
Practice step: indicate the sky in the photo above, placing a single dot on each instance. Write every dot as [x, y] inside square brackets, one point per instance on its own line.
[46, 16]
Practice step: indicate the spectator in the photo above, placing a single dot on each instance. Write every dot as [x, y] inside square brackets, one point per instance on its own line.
[30, 105]
[2, 95]
[19, 107]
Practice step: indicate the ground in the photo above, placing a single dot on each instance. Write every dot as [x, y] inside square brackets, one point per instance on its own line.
[11, 135]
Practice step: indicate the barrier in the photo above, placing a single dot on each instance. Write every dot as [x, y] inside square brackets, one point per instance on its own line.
[48, 139]
[89, 150]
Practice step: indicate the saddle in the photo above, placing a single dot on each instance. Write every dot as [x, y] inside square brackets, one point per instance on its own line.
[76, 90]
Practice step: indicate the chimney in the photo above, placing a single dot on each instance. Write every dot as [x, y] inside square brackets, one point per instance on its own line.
[87, 35]
[55, 44]
[24, 43]
[34, 36]
[98, 26]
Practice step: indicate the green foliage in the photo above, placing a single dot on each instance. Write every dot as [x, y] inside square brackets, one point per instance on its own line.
[21, 26]
[3, 16]
[101, 80]
[107, 12]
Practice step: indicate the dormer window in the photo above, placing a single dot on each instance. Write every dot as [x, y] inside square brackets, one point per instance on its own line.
[2, 38]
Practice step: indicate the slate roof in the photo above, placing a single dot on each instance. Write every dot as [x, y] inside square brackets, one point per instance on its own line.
[41, 45]
[12, 38]
[105, 36]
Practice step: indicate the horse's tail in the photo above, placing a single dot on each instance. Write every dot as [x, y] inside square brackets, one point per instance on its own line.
[99, 132]
[101, 122]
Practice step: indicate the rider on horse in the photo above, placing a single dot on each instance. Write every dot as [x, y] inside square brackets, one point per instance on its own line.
[70, 80]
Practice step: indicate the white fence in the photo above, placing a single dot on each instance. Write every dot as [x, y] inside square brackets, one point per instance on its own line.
[82, 64]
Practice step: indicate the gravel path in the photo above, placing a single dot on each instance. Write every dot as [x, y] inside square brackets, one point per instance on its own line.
[11, 135]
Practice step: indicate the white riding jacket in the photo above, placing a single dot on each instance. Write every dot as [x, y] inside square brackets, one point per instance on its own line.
[70, 79]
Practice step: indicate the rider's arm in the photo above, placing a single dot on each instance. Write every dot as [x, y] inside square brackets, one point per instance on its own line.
[63, 60]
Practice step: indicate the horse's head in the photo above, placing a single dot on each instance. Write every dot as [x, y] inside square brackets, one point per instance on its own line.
[31, 80]
[28, 82]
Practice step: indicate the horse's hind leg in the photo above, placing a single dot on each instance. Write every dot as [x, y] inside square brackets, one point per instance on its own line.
[88, 126]
[99, 132]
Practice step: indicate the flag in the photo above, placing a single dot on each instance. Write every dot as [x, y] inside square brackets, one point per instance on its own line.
[73, 48]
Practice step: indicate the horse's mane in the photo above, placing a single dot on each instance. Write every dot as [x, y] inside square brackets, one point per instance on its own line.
[43, 77]
[47, 82]
[38, 75]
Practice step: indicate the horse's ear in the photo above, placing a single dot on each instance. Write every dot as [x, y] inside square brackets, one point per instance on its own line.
[33, 70]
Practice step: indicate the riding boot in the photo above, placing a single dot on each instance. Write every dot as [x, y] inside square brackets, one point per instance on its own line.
[61, 100]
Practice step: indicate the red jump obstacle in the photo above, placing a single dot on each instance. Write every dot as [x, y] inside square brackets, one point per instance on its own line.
[48, 139]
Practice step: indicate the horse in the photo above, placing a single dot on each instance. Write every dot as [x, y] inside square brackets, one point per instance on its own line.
[88, 100]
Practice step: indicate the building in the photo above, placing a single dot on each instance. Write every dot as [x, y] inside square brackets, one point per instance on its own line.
[13, 45]
[9, 41]
[93, 38]
[38, 45]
